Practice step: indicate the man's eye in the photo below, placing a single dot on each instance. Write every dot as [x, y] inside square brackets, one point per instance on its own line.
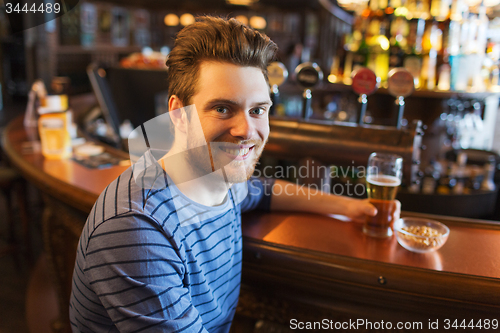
[258, 111]
[221, 109]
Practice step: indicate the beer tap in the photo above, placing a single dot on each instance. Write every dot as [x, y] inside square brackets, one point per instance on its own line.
[364, 83]
[400, 84]
[308, 76]
[277, 75]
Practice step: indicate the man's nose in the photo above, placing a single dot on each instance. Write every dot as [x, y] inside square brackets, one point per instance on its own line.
[242, 126]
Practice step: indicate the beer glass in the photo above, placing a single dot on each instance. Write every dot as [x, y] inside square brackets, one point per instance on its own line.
[383, 177]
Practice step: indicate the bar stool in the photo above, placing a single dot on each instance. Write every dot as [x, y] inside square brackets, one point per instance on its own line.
[13, 186]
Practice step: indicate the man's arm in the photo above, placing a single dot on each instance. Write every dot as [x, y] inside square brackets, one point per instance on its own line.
[138, 276]
[292, 197]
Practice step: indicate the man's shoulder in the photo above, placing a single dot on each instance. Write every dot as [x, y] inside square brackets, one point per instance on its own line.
[122, 194]
[127, 195]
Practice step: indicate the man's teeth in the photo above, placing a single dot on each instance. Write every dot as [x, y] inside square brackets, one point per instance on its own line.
[236, 152]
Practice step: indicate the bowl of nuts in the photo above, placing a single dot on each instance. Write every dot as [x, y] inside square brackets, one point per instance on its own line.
[420, 235]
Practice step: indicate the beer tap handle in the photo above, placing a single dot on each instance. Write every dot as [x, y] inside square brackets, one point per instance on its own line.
[275, 99]
[306, 104]
[364, 83]
[400, 84]
[277, 75]
[308, 76]
[363, 100]
[400, 102]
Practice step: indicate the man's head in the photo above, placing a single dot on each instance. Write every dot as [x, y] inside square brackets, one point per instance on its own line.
[214, 39]
[220, 66]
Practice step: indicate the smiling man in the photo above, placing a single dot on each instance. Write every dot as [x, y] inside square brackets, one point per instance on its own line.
[228, 116]
[168, 258]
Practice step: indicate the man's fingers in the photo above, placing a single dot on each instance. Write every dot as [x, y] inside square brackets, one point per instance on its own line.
[370, 209]
[398, 204]
[397, 211]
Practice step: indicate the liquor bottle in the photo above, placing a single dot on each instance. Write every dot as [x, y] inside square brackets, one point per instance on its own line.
[460, 173]
[442, 62]
[373, 5]
[455, 57]
[452, 178]
[444, 77]
[488, 183]
[435, 7]
[424, 9]
[493, 56]
[356, 47]
[411, 6]
[427, 57]
[474, 180]
[348, 52]
[396, 52]
[396, 55]
[361, 55]
[378, 59]
[431, 177]
[440, 9]
[464, 65]
[478, 39]
[413, 63]
[436, 38]
[447, 182]
[413, 60]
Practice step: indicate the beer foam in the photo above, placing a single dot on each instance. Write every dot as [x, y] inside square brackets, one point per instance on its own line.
[383, 180]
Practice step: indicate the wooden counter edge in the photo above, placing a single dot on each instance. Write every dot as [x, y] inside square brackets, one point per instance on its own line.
[67, 193]
[307, 265]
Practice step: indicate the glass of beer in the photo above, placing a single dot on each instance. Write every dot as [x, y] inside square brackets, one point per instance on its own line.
[383, 178]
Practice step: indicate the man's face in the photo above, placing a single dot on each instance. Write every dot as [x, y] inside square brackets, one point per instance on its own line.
[233, 107]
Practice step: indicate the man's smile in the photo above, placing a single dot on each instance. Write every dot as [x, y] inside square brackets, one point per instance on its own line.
[237, 152]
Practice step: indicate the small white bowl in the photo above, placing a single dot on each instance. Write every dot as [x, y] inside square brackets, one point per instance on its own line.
[420, 235]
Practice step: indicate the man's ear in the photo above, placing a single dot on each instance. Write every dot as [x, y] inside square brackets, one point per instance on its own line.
[177, 113]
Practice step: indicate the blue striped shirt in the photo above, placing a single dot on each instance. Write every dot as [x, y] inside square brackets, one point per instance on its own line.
[139, 269]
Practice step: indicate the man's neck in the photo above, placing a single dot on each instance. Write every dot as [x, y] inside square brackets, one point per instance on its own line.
[208, 190]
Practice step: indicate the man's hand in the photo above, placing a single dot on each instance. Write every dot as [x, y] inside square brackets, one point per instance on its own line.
[397, 211]
[358, 210]
[291, 197]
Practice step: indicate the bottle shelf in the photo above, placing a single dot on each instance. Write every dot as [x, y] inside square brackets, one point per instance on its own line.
[421, 93]
[77, 49]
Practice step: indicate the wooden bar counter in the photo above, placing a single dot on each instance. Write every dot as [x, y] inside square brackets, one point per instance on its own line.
[300, 267]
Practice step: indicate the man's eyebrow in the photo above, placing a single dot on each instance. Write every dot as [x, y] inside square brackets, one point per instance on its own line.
[221, 101]
[268, 102]
[234, 103]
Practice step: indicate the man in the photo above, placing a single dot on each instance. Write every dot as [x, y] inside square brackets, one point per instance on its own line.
[163, 254]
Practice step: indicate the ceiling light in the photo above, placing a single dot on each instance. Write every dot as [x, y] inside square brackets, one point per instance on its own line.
[187, 19]
[258, 22]
[241, 2]
[242, 19]
[171, 20]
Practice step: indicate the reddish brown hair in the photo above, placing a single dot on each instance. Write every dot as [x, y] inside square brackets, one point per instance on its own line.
[214, 39]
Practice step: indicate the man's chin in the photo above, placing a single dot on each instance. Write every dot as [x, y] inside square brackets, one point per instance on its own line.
[238, 173]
